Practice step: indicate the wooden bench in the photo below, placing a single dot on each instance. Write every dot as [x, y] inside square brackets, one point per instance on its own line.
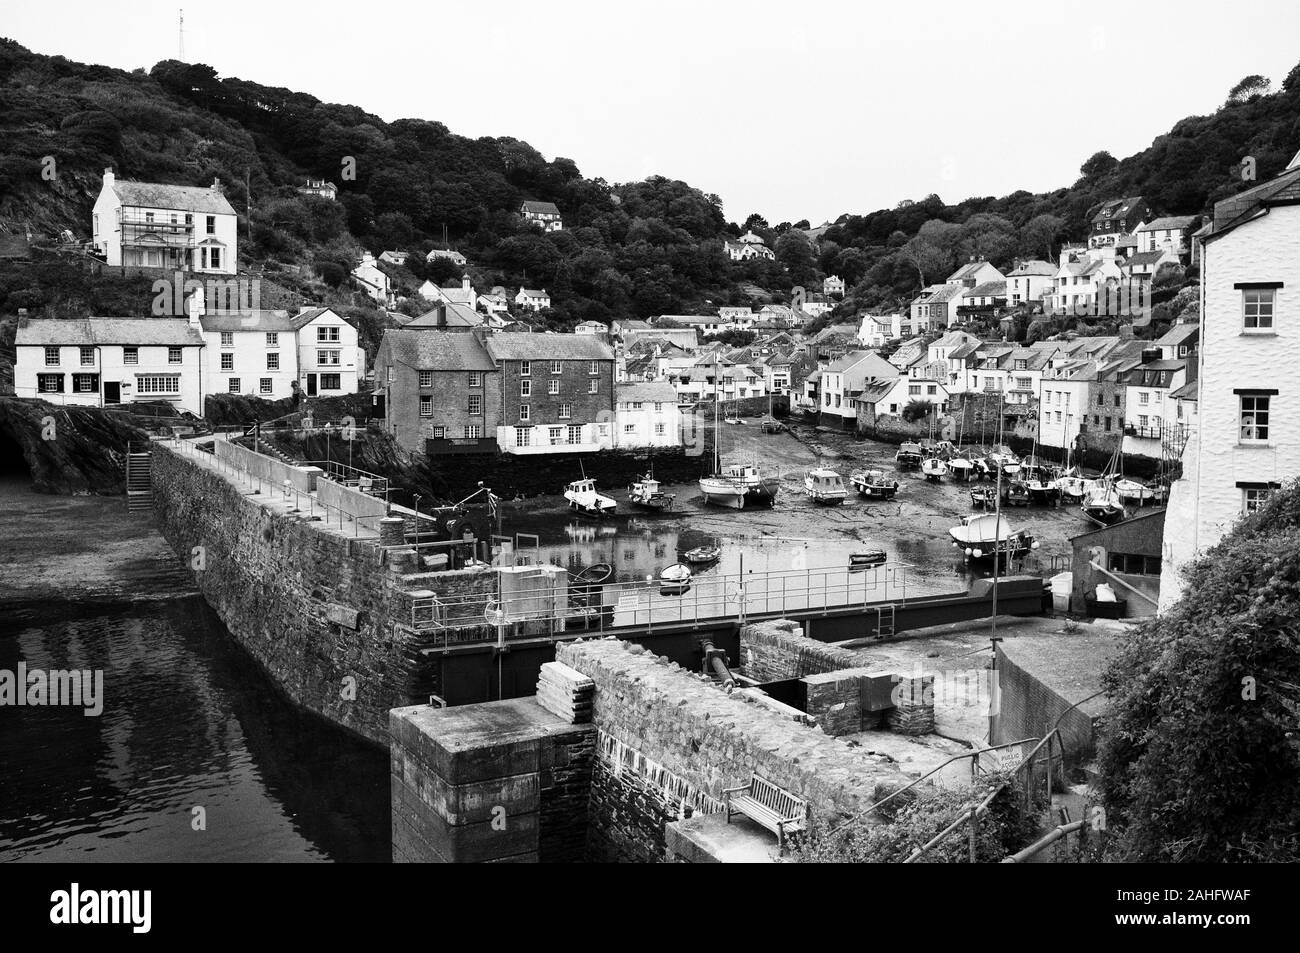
[766, 804]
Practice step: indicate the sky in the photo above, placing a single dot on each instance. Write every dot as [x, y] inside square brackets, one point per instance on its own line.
[792, 110]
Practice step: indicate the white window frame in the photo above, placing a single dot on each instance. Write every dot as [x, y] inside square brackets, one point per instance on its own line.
[426, 405]
[1249, 433]
[1265, 299]
[525, 412]
[552, 387]
[266, 385]
[475, 405]
[426, 378]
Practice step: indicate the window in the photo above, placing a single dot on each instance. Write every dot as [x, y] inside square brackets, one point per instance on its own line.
[130, 355]
[328, 358]
[556, 435]
[1143, 421]
[636, 404]
[1257, 309]
[272, 339]
[594, 387]
[556, 367]
[158, 384]
[1058, 416]
[525, 388]
[51, 357]
[566, 411]
[1134, 565]
[476, 404]
[87, 356]
[1108, 425]
[595, 369]
[331, 382]
[227, 361]
[426, 406]
[659, 430]
[1254, 496]
[659, 406]
[1021, 364]
[1182, 350]
[837, 400]
[85, 383]
[1117, 400]
[473, 431]
[189, 218]
[212, 225]
[476, 379]
[273, 361]
[439, 433]
[234, 385]
[521, 436]
[328, 333]
[629, 428]
[214, 257]
[525, 368]
[525, 412]
[1144, 398]
[1101, 400]
[552, 387]
[148, 218]
[264, 385]
[49, 383]
[389, 375]
[426, 378]
[173, 355]
[227, 338]
[1254, 418]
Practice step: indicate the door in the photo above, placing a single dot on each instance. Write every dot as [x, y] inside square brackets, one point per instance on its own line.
[311, 385]
[377, 407]
[112, 392]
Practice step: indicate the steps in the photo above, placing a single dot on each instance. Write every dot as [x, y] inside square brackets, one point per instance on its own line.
[139, 482]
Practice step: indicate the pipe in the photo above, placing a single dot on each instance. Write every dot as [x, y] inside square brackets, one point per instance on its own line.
[714, 658]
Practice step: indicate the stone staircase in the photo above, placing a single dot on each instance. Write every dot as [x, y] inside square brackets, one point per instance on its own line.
[139, 481]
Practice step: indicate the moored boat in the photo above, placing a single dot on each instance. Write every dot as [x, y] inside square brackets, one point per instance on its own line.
[983, 497]
[1130, 491]
[648, 494]
[824, 487]
[962, 468]
[874, 484]
[1104, 506]
[934, 469]
[702, 555]
[982, 535]
[583, 498]
[867, 558]
[908, 456]
[740, 485]
[675, 580]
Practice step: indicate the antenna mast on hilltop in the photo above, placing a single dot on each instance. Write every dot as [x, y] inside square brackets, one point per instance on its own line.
[181, 35]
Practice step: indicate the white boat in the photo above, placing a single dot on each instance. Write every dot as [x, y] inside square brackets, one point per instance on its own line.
[583, 498]
[825, 487]
[934, 469]
[738, 486]
[980, 535]
[1104, 505]
[647, 493]
[908, 455]
[874, 484]
[1072, 486]
[962, 469]
[675, 580]
[1130, 491]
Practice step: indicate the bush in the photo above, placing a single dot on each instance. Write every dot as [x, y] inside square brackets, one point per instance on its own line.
[917, 410]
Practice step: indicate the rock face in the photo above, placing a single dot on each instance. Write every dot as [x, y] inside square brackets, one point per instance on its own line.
[73, 450]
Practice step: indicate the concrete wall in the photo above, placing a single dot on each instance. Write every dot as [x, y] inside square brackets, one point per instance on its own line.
[312, 606]
[267, 469]
[356, 504]
[1038, 682]
[1141, 536]
[669, 739]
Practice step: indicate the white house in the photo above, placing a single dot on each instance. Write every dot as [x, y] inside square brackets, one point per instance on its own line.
[1149, 407]
[879, 328]
[321, 188]
[330, 361]
[1166, 234]
[99, 362]
[1081, 280]
[739, 318]
[455, 294]
[647, 415]
[371, 279]
[591, 327]
[1029, 281]
[1065, 403]
[833, 285]
[817, 304]
[395, 257]
[533, 300]
[889, 396]
[146, 224]
[842, 381]
[974, 273]
[545, 214]
[254, 353]
[455, 257]
[748, 246]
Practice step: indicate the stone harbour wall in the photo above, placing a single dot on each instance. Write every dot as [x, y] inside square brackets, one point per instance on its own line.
[671, 741]
[778, 650]
[326, 620]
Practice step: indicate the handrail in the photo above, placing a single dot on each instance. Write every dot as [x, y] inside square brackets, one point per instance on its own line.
[1061, 830]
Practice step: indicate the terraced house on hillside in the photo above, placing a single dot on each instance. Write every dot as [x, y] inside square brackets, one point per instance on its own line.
[151, 225]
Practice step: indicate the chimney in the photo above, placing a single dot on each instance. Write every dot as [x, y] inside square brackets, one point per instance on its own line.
[441, 320]
[464, 282]
[22, 317]
[109, 178]
[216, 185]
[195, 306]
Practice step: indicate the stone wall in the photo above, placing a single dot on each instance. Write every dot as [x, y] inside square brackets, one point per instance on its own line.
[1038, 683]
[778, 650]
[318, 610]
[670, 742]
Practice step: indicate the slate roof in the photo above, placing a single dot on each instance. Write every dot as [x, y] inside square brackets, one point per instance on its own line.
[307, 317]
[964, 350]
[1233, 211]
[967, 270]
[548, 347]
[187, 198]
[1179, 334]
[456, 316]
[262, 320]
[1169, 221]
[993, 289]
[541, 208]
[1145, 258]
[1116, 208]
[947, 293]
[690, 319]
[90, 331]
[1186, 392]
[438, 352]
[1034, 267]
[648, 392]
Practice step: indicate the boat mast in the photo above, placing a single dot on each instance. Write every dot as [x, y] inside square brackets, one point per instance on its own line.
[997, 529]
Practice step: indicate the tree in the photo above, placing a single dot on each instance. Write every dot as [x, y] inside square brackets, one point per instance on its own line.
[932, 251]
[1248, 88]
[1199, 755]
[793, 251]
[985, 236]
[1039, 234]
[917, 409]
[1098, 164]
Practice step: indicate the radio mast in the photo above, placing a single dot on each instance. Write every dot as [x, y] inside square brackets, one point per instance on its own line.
[181, 35]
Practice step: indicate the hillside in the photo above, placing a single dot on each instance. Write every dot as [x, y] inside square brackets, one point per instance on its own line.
[634, 249]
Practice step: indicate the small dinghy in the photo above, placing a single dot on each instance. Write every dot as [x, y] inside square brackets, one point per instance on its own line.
[867, 558]
[934, 469]
[675, 580]
[702, 555]
[1130, 491]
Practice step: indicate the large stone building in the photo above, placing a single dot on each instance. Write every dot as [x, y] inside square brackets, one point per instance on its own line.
[442, 391]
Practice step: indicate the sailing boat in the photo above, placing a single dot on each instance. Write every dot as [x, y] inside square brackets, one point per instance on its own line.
[960, 465]
[1102, 503]
[739, 485]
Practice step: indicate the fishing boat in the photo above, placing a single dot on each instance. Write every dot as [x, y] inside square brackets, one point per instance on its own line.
[648, 494]
[1071, 485]
[825, 487]
[1002, 457]
[962, 468]
[1130, 491]
[1040, 478]
[867, 558]
[1103, 505]
[702, 555]
[583, 498]
[739, 485]
[1015, 492]
[771, 425]
[675, 580]
[980, 536]
[874, 484]
[934, 469]
[983, 497]
[909, 456]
